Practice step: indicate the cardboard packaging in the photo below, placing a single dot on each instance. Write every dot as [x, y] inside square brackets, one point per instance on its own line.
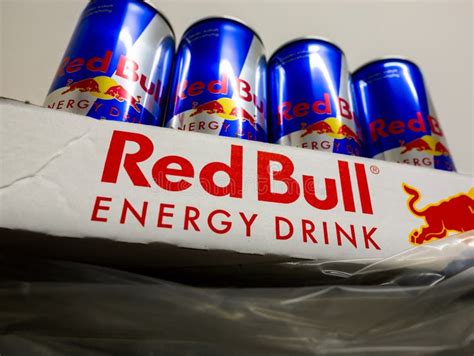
[137, 195]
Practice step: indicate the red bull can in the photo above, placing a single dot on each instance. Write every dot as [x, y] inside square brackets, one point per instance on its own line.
[117, 65]
[398, 119]
[311, 98]
[219, 81]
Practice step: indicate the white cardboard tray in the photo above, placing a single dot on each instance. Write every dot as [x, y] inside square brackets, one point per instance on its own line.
[64, 189]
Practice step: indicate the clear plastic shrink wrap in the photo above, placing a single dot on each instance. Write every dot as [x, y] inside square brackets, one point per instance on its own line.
[418, 302]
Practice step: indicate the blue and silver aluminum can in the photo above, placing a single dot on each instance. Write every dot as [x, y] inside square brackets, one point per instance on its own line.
[117, 65]
[219, 81]
[311, 98]
[397, 115]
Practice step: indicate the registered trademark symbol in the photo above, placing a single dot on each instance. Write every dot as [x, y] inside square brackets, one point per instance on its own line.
[374, 169]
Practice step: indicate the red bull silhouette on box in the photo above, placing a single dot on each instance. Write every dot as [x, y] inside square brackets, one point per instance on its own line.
[117, 65]
[398, 119]
[311, 98]
[454, 214]
[219, 83]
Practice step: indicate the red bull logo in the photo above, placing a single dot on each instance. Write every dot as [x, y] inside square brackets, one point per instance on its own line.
[419, 145]
[127, 81]
[242, 90]
[212, 107]
[381, 128]
[121, 94]
[348, 189]
[454, 214]
[330, 134]
[223, 116]
[224, 108]
[86, 85]
[101, 87]
[320, 127]
[439, 147]
[127, 69]
[288, 110]
[429, 144]
[332, 127]
[348, 133]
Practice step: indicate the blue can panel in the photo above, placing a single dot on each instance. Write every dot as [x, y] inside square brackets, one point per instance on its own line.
[219, 81]
[397, 115]
[311, 103]
[117, 65]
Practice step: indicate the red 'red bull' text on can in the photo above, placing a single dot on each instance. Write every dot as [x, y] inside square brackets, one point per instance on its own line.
[311, 98]
[219, 83]
[398, 118]
[117, 65]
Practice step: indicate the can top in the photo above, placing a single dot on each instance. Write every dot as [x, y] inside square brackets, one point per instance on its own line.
[229, 18]
[387, 58]
[147, 4]
[303, 39]
[151, 7]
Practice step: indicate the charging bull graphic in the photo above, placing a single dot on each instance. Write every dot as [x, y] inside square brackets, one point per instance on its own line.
[418, 145]
[85, 85]
[105, 88]
[332, 127]
[441, 149]
[347, 132]
[427, 144]
[212, 107]
[454, 214]
[121, 94]
[319, 127]
[225, 108]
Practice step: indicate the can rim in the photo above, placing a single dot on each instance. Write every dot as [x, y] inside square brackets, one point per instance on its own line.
[303, 38]
[225, 17]
[151, 6]
[385, 58]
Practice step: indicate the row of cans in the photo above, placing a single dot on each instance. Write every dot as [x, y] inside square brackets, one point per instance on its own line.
[121, 65]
